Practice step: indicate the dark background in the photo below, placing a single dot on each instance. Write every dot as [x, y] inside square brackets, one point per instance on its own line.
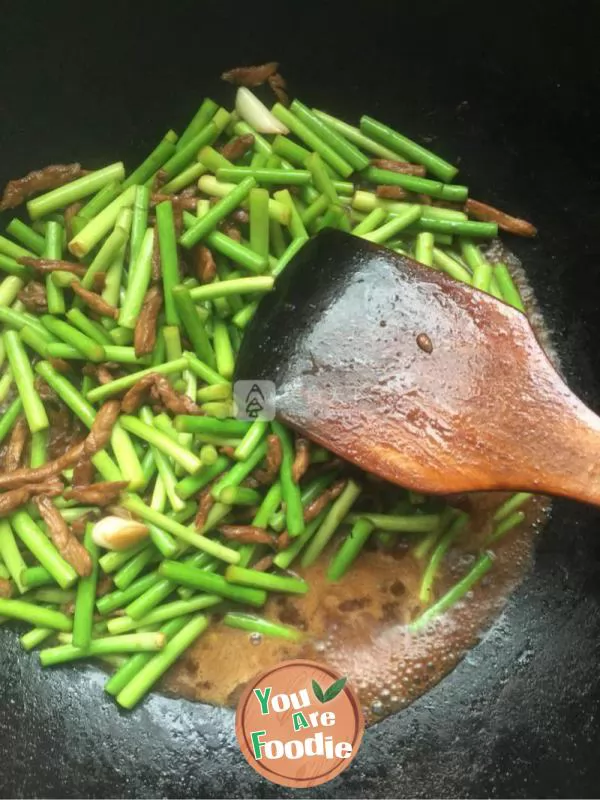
[509, 90]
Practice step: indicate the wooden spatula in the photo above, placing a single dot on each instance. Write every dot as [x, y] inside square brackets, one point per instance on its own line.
[418, 378]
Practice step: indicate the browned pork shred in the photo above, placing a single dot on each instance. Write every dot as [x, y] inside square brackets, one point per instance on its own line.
[313, 509]
[172, 400]
[205, 503]
[79, 525]
[272, 461]
[237, 147]
[52, 265]
[13, 499]
[263, 564]
[39, 180]
[392, 192]
[247, 534]
[19, 437]
[135, 396]
[302, 459]
[101, 430]
[96, 440]
[103, 493]
[206, 268]
[403, 167]
[144, 337]
[485, 213]
[160, 390]
[101, 372]
[47, 265]
[251, 76]
[94, 301]
[67, 545]
[278, 85]
[83, 472]
[71, 212]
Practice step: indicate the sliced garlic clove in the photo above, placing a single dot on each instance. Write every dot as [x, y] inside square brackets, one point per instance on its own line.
[116, 533]
[256, 114]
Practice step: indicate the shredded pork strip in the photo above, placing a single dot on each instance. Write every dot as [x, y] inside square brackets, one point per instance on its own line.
[162, 391]
[251, 76]
[302, 459]
[39, 180]
[283, 540]
[263, 564]
[247, 534]
[135, 396]
[46, 265]
[319, 503]
[101, 372]
[392, 192]
[485, 213]
[205, 503]
[97, 494]
[278, 85]
[79, 525]
[71, 212]
[237, 147]
[206, 268]
[67, 545]
[83, 472]
[104, 375]
[96, 440]
[101, 430]
[403, 167]
[15, 498]
[19, 437]
[95, 302]
[272, 461]
[144, 337]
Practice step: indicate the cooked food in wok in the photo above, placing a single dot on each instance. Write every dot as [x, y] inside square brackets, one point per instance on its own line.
[150, 522]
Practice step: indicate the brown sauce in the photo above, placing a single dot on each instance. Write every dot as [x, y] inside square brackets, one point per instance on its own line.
[358, 625]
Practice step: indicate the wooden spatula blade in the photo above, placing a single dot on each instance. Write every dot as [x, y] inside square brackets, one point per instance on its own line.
[416, 377]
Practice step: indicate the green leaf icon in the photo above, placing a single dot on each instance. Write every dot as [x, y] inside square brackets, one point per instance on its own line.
[335, 689]
[318, 692]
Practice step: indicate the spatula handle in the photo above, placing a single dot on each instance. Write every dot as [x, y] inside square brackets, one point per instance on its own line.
[565, 453]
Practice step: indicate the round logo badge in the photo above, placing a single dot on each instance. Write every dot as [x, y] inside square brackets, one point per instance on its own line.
[299, 724]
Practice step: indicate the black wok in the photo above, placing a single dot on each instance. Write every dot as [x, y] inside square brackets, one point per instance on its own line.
[514, 96]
